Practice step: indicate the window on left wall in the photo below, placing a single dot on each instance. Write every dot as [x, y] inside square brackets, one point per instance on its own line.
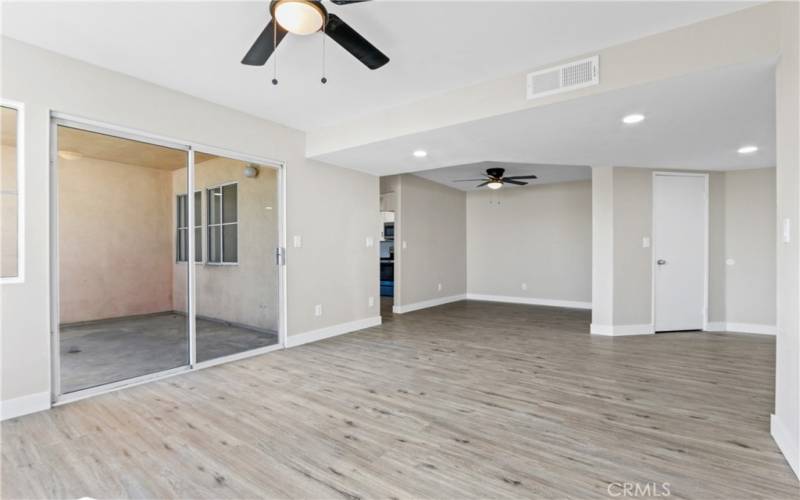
[11, 194]
[182, 234]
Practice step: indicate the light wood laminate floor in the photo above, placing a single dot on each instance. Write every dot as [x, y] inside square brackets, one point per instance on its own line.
[467, 400]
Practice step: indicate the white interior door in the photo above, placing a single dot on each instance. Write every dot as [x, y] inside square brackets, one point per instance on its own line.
[680, 219]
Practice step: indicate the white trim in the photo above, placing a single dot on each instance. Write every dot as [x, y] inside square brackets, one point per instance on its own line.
[428, 303]
[721, 326]
[653, 243]
[332, 331]
[21, 209]
[24, 405]
[788, 446]
[571, 304]
[622, 330]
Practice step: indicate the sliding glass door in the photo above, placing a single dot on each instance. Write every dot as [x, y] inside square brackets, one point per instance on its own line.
[122, 312]
[237, 280]
[165, 257]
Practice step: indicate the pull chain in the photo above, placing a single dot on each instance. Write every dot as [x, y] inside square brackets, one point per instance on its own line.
[274, 54]
[324, 36]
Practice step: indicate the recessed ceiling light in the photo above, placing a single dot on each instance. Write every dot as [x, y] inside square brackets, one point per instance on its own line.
[495, 185]
[420, 153]
[70, 155]
[747, 150]
[634, 118]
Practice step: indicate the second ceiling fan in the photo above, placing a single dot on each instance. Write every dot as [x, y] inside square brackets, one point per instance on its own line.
[305, 17]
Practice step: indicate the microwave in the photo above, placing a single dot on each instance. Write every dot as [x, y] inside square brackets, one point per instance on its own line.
[388, 231]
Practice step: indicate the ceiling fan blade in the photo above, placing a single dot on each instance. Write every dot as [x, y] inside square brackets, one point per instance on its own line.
[522, 177]
[263, 46]
[469, 180]
[481, 185]
[354, 43]
[345, 2]
[512, 181]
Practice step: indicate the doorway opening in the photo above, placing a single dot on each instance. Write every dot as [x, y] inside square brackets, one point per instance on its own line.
[388, 224]
[149, 280]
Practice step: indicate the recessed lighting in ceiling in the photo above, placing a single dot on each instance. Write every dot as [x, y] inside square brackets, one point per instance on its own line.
[747, 150]
[69, 155]
[420, 153]
[633, 118]
[301, 17]
[495, 185]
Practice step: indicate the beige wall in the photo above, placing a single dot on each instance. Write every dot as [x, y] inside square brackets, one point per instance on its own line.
[115, 240]
[8, 211]
[538, 235]
[786, 421]
[245, 293]
[750, 287]
[432, 223]
[334, 209]
[738, 201]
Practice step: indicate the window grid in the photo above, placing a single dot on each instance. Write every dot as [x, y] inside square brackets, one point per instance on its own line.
[182, 232]
[216, 224]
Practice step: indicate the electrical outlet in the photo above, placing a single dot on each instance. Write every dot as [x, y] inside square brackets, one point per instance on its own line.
[524, 286]
[370, 242]
[318, 310]
[371, 301]
[297, 241]
[439, 287]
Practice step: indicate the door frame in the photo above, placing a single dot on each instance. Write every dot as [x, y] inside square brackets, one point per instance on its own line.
[654, 243]
[89, 125]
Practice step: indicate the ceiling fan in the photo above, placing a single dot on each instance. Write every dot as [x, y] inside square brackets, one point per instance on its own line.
[306, 17]
[494, 179]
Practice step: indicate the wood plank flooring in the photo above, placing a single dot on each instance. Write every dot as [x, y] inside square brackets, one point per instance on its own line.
[467, 400]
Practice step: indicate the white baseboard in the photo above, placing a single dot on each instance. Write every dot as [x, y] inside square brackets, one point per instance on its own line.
[331, 331]
[24, 405]
[416, 306]
[722, 326]
[621, 330]
[530, 301]
[787, 445]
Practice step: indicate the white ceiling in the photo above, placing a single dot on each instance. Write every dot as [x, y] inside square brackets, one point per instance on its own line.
[195, 47]
[693, 122]
[547, 174]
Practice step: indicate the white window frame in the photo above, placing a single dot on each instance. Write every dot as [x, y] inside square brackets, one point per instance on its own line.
[200, 227]
[221, 225]
[20, 109]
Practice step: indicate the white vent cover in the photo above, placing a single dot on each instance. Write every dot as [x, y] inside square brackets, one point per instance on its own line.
[564, 78]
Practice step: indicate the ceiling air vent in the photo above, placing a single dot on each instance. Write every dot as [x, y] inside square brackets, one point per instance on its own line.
[564, 78]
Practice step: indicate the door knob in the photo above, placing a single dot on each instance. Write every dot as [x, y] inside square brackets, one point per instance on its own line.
[661, 262]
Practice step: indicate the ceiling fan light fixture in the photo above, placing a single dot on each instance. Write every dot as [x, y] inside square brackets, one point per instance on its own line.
[301, 17]
[495, 185]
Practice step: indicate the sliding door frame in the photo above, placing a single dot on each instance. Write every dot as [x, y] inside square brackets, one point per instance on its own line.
[61, 119]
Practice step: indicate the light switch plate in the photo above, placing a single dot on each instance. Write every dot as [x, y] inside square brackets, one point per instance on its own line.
[787, 230]
[318, 310]
[370, 242]
[297, 241]
[439, 287]
[371, 301]
[646, 242]
[405, 245]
